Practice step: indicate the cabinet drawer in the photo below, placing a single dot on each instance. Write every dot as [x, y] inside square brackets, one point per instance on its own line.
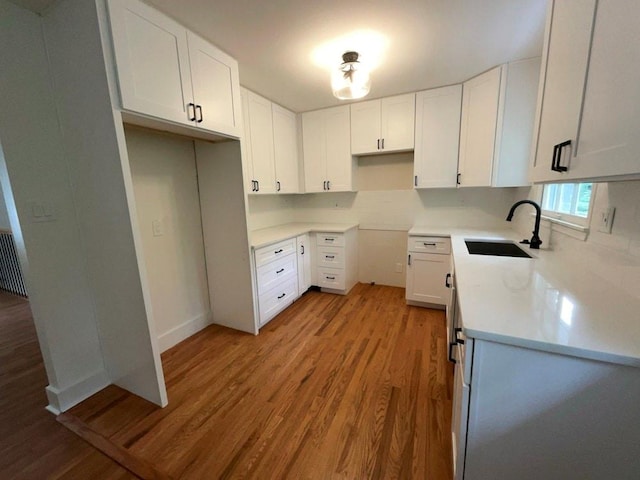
[331, 278]
[332, 257]
[277, 299]
[276, 272]
[270, 253]
[430, 245]
[330, 239]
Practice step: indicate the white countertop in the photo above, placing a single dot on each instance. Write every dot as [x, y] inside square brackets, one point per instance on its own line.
[545, 302]
[267, 236]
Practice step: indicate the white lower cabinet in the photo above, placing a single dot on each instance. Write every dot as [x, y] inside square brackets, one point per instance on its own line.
[530, 414]
[336, 261]
[304, 263]
[428, 263]
[276, 276]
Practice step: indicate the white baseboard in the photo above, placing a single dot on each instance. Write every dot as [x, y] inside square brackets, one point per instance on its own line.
[183, 331]
[61, 400]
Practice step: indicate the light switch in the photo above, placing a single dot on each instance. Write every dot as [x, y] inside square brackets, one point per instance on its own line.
[42, 211]
[157, 227]
[606, 219]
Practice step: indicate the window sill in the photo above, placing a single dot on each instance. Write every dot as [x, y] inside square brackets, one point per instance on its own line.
[579, 232]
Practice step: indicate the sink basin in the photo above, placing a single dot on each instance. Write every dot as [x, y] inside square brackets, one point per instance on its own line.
[495, 248]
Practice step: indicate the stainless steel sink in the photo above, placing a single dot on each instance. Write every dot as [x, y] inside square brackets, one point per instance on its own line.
[495, 248]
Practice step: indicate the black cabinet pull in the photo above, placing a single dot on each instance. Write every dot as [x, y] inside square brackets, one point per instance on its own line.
[302, 249]
[458, 179]
[253, 185]
[451, 359]
[328, 185]
[277, 186]
[409, 260]
[199, 109]
[456, 331]
[383, 144]
[278, 251]
[330, 256]
[189, 106]
[378, 144]
[557, 155]
[415, 181]
[281, 296]
[429, 244]
[446, 280]
[324, 185]
[330, 278]
[329, 239]
[280, 271]
[257, 185]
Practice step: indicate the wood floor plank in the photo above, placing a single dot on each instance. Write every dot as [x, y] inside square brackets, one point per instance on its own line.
[342, 387]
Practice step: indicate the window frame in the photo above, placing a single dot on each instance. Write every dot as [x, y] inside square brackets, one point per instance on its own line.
[566, 218]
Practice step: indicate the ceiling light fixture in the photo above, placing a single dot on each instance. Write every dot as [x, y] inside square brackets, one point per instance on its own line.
[350, 80]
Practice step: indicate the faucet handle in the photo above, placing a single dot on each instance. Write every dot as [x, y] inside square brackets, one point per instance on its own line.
[525, 241]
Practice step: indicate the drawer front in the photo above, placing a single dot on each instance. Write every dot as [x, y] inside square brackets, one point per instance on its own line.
[430, 245]
[331, 278]
[278, 250]
[276, 272]
[277, 299]
[330, 239]
[331, 257]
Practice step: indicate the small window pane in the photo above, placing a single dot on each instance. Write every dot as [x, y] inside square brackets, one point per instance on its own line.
[571, 199]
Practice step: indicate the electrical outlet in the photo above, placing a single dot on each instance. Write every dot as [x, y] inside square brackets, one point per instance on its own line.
[399, 267]
[606, 219]
[157, 228]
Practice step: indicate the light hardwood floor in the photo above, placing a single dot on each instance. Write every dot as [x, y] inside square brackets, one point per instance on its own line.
[352, 387]
[33, 445]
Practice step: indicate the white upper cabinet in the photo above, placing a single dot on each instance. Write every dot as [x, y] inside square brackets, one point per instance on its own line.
[588, 113]
[166, 72]
[516, 121]
[437, 137]
[381, 126]
[271, 146]
[498, 116]
[328, 164]
[260, 125]
[214, 76]
[480, 97]
[285, 144]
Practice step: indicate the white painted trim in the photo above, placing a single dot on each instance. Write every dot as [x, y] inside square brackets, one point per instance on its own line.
[183, 331]
[62, 400]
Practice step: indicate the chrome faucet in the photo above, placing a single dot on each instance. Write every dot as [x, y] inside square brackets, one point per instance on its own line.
[535, 241]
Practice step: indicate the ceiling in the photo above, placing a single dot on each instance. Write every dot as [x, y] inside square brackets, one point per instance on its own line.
[420, 43]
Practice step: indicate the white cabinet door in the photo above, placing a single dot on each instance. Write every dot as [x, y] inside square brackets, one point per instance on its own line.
[397, 123]
[516, 123]
[285, 147]
[437, 137]
[459, 418]
[365, 127]
[152, 59]
[609, 141]
[426, 274]
[480, 97]
[261, 127]
[214, 76]
[245, 142]
[338, 149]
[564, 68]
[314, 151]
[304, 263]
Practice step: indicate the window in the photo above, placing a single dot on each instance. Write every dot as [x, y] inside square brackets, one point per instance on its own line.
[570, 202]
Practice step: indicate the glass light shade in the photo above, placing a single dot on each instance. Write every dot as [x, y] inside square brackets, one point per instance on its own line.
[350, 81]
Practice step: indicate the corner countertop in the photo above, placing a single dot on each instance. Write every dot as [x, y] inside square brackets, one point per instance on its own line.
[267, 236]
[544, 303]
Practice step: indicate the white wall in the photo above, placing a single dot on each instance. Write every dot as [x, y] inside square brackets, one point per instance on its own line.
[614, 257]
[165, 182]
[53, 257]
[5, 223]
